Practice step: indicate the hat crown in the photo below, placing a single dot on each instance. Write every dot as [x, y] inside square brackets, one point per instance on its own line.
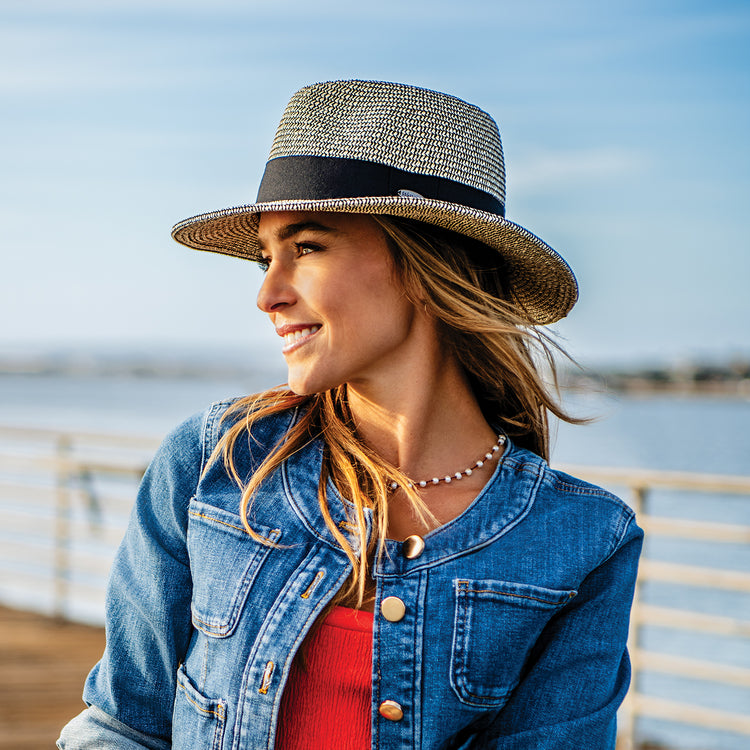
[410, 128]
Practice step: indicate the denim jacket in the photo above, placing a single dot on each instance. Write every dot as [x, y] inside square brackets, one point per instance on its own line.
[513, 637]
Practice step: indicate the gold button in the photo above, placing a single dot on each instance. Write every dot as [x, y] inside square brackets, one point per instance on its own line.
[413, 546]
[391, 710]
[392, 608]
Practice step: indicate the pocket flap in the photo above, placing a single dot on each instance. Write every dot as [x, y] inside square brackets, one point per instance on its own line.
[224, 562]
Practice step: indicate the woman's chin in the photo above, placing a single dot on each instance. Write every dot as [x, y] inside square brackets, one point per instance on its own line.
[299, 390]
[304, 385]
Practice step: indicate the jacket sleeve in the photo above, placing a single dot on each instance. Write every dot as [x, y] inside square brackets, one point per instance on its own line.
[579, 671]
[130, 692]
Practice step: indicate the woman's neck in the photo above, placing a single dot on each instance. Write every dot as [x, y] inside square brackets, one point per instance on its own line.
[426, 423]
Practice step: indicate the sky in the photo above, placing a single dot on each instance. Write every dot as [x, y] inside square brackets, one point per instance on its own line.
[625, 127]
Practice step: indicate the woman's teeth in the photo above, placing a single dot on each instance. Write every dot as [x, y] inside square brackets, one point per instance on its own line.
[293, 338]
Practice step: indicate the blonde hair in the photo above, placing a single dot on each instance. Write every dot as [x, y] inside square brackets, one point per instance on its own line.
[461, 284]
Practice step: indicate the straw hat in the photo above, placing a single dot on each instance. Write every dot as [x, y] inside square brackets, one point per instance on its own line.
[387, 148]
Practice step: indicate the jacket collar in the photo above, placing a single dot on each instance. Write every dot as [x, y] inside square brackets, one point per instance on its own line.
[503, 502]
[300, 474]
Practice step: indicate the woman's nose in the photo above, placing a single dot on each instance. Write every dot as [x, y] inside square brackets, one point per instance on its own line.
[276, 291]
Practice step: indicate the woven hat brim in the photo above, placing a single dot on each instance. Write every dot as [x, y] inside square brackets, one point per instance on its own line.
[542, 282]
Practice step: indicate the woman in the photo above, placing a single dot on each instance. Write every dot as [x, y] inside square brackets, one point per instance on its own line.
[379, 555]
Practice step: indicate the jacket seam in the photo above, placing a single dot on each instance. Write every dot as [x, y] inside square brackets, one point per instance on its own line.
[209, 437]
[620, 538]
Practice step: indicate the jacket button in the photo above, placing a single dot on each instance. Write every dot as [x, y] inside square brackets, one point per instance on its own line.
[392, 608]
[413, 546]
[391, 710]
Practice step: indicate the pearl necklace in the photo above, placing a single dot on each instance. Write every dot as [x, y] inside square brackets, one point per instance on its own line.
[501, 440]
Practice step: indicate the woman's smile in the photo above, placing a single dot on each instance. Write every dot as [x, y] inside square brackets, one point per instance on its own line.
[296, 336]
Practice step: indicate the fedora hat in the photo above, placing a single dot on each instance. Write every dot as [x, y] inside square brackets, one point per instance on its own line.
[388, 148]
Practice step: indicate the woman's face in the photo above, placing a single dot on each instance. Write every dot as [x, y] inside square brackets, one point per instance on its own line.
[332, 296]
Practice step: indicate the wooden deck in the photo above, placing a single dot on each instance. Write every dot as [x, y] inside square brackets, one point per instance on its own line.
[43, 665]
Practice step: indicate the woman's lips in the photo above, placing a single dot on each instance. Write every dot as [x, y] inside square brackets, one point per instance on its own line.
[296, 336]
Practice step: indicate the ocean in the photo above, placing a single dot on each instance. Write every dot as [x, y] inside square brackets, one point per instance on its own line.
[696, 434]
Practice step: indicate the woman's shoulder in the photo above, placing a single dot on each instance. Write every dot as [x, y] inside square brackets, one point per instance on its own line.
[200, 434]
[574, 502]
[558, 481]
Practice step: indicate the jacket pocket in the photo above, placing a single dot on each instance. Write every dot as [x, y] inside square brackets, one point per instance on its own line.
[496, 625]
[197, 721]
[224, 562]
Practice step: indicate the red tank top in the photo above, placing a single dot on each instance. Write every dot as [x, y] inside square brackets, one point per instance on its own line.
[326, 702]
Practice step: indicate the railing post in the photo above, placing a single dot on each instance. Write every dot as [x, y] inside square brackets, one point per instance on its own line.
[61, 565]
[627, 732]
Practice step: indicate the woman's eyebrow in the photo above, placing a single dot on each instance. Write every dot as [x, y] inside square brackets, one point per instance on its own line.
[291, 229]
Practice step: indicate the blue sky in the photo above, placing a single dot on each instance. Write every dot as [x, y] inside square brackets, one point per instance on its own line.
[625, 127]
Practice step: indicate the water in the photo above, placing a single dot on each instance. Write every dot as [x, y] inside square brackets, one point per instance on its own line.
[141, 406]
[673, 433]
[707, 435]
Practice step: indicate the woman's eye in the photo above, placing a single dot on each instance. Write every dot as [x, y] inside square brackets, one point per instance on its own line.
[263, 264]
[305, 248]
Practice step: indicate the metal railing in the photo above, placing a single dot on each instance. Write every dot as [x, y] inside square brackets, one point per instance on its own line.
[65, 498]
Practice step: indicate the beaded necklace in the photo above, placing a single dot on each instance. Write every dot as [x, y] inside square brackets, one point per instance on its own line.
[501, 440]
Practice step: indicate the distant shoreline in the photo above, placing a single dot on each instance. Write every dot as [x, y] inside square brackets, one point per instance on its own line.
[721, 381]
[198, 367]
[639, 387]
[731, 380]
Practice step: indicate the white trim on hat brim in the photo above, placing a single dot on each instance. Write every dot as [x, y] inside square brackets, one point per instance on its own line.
[542, 282]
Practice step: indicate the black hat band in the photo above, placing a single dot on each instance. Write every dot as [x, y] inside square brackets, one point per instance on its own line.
[321, 178]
